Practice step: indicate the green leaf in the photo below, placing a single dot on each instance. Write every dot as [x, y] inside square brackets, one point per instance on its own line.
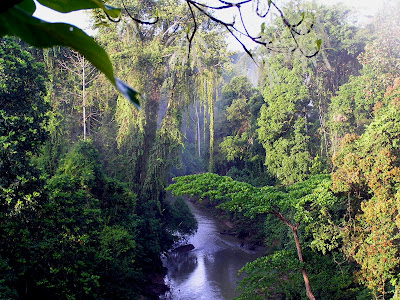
[262, 27]
[188, 28]
[65, 6]
[128, 92]
[319, 42]
[42, 34]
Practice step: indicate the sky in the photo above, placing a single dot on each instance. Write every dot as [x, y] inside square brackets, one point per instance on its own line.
[78, 18]
[81, 19]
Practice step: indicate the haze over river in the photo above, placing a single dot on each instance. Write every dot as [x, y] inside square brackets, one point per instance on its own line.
[209, 271]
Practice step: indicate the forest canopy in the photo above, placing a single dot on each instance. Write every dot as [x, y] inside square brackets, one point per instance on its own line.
[295, 142]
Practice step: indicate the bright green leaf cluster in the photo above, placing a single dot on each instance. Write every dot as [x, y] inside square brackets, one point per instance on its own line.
[304, 200]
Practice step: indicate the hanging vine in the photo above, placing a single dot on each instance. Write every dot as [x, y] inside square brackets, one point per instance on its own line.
[210, 100]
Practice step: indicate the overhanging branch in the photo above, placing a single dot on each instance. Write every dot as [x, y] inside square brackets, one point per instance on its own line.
[233, 29]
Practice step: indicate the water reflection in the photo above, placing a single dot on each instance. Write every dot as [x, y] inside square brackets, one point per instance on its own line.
[181, 264]
[209, 271]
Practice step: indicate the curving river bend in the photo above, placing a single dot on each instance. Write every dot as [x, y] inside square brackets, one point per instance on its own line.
[209, 271]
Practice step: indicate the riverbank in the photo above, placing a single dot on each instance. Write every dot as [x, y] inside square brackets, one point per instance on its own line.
[251, 232]
[157, 286]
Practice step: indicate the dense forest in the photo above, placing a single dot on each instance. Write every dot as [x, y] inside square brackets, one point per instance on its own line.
[301, 152]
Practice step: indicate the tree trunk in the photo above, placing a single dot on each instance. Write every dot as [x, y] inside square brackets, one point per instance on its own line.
[211, 111]
[303, 270]
[198, 134]
[84, 99]
[150, 107]
[294, 229]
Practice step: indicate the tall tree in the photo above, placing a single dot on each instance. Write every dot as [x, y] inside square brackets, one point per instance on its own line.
[367, 170]
[22, 120]
[23, 116]
[341, 44]
[352, 109]
[241, 152]
[284, 128]
[86, 73]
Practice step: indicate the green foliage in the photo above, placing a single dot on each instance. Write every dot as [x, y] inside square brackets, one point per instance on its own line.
[283, 125]
[276, 277]
[22, 117]
[303, 200]
[21, 126]
[367, 170]
[311, 203]
[70, 232]
[73, 5]
[89, 226]
[236, 132]
[270, 276]
[181, 219]
[250, 176]
[82, 162]
[70, 222]
[353, 107]
[8, 277]
[234, 147]
[238, 88]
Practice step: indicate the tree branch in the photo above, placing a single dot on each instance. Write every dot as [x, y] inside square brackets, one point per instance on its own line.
[190, 39]
[137, 20]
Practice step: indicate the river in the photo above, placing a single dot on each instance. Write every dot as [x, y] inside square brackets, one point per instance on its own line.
[209, 271]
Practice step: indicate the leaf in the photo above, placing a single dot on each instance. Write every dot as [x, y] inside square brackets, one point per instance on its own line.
[262, 27]
[65, 6]
[42, 34]
[128, 92]
[157, 13]
[319, 42]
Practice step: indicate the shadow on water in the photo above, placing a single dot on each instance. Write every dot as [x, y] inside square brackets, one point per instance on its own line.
[209, 271]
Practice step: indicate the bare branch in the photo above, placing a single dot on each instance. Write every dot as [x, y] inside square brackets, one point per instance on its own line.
[190, 39]
[137, 20]
[111, 19]
[232, 28]
[244, 26]
[225, 6]
[262, 16]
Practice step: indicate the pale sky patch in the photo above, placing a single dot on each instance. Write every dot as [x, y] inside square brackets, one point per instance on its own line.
[81, 19]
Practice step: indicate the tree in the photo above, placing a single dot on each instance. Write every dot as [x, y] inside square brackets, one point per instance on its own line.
[367, 171]
[293, 125]
[353, 107]
[21, 130]
[16, 19]
[284, 126]
[241, 154]
[149, 141]
[342, 43]
[22, 80]
[81, 69]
